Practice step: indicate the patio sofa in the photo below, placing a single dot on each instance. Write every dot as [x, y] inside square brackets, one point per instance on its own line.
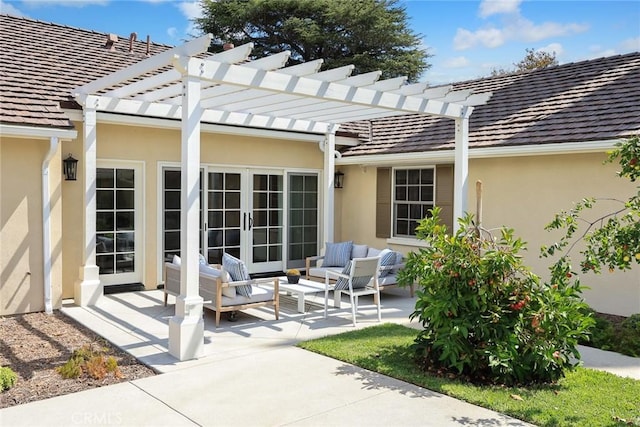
[337, 256]
[223, 294]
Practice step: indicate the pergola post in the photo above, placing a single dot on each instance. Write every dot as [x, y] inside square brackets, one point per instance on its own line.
[461, 166]
[329, 191]
[88, 289]
[186, 327]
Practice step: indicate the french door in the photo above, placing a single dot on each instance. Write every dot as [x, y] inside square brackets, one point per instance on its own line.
[245, 217]
[119, 223]
[245, 213]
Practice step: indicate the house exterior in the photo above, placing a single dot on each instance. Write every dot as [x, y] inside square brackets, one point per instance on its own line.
[265, 191]
[537, 146]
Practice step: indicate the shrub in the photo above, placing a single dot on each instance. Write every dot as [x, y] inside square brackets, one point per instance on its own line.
[91, 361]
[485, 315]
[8, 378]
[630, 335]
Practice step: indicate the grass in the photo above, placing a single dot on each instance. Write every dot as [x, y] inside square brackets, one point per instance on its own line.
[584, 397]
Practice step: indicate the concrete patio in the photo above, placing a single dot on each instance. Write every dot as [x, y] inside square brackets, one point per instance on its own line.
[253, 375]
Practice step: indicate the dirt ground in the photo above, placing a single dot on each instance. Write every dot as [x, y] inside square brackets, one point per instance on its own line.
[34, 344]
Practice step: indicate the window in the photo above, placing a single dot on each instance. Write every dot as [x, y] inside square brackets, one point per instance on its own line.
[413, 197]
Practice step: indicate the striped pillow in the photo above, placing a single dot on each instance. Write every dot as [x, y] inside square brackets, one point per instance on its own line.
[356, 283]
[238, 273]
[387, 261]
[337, 254]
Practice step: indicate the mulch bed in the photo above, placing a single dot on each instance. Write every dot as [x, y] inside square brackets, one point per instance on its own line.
[34, 344]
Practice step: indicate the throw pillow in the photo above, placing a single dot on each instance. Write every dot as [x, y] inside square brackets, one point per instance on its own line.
[356, 283]
[176, 260]
[212, 271]
[203, 260]
[359, 251]
[337, 254]
[387, 261]
[238, 272]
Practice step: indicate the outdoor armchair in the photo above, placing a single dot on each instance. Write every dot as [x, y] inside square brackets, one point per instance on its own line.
[358, 278]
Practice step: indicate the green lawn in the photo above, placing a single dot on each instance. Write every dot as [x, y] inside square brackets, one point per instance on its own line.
[584, 398]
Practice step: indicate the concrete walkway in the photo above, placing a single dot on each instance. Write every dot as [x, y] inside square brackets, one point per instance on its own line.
[253, 375]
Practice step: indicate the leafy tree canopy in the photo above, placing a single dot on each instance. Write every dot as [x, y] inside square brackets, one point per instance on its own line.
[533, 60]
[370, 34]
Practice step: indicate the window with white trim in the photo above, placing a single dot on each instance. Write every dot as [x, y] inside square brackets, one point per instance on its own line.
[413, 197]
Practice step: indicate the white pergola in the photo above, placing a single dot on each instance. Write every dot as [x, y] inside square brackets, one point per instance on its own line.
[227, 88]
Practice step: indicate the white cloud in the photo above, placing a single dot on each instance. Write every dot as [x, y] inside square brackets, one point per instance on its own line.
[525, 30]
[10, 9]
[172, 32]
[457, 62]
[493, 7]
[516, 28]
[489, 37]
[631, 45]
[553, 48]
[190, 9]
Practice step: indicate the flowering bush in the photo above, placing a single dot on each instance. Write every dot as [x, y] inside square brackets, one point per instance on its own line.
[612, 240]
[487, 316]
[293, 272]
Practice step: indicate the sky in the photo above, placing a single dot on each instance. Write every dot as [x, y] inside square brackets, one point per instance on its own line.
[467, 39]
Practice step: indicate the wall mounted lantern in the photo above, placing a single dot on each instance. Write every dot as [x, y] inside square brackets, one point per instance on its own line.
[70, 168]
[338, 179]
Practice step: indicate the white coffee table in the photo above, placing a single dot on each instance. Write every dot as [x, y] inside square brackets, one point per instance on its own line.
[302, 288]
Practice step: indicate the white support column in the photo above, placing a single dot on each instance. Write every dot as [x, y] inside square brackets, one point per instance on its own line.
[329, 170]
[461, 166]
[88, 288]
[186, 328]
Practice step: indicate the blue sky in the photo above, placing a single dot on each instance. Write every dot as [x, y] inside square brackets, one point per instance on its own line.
[467, 38]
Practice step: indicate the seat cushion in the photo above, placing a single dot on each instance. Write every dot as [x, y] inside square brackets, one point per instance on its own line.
[238, 272]
[259, 294]
[337, 254]
[319, 271]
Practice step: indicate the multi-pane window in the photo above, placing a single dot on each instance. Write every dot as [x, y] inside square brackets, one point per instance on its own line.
[413, 197]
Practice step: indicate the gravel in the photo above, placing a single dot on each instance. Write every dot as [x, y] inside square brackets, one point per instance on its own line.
[34, 344]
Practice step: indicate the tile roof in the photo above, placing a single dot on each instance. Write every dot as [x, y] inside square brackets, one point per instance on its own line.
[583, 101]
[41, 62]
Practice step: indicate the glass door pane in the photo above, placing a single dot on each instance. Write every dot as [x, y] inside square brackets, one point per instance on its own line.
[116, 249]
[303, 219]
[224, 217]
[266, 222]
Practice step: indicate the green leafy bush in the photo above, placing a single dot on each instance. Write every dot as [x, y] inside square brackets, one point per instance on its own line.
[485, 315]
[630, 335]
[8, 378]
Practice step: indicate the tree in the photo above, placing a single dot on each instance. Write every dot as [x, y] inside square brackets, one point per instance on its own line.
[612, 240]
[533, 60]
[370, 34]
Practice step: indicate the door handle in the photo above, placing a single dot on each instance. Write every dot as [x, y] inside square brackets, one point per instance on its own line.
[250, 222]
[244, 221]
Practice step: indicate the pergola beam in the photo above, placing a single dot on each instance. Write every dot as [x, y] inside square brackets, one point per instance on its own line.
[277, 82]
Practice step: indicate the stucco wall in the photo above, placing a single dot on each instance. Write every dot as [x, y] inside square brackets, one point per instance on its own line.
[154, 146]
[522, 193]
[21, 219]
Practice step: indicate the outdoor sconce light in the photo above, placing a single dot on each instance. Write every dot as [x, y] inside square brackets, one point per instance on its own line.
[70, 168]
[338, 180]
